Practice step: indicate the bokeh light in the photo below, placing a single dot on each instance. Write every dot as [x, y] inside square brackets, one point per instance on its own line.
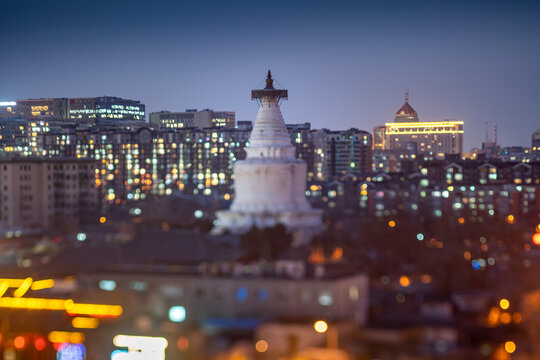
[510, 347]
[261, 346]
[320, 326]
[19, 342]
[504, 304]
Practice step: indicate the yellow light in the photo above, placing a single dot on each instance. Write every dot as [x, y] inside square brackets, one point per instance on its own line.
[504, 304]
[510, 219]
[85, 323]
[392, 223]
[404, 281]
[424, 124]
[12, 282]
[261, 346]
[72, 308]
[3, 288]
[536, 238]
[42, 284]
[94, 310]
[23, 288]
[102, 219]
[320, 326]
[32, 303]
[61, 337]
[510, 347]
[461, 220]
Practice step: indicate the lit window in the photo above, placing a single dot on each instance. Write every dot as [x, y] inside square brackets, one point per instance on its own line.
[326, 298]
[107, 285]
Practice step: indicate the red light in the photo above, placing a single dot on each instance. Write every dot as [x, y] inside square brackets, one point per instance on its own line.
[536, 238]
[40, 344]
[19, 342]
[182, 343]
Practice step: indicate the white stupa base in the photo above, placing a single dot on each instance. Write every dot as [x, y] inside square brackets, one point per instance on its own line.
[303, 225]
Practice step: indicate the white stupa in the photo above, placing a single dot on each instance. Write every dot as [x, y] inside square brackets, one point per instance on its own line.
[270, 183]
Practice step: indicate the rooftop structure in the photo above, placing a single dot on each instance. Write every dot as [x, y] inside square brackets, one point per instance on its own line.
[406, 113]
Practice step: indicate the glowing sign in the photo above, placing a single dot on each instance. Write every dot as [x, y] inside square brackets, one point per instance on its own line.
[94, 310]
[8, 103]
[84, 323]
[24, 285]
[139, 347]
[62, 337]
[72, 308]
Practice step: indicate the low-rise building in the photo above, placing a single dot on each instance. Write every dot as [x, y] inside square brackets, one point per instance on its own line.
[44, 193]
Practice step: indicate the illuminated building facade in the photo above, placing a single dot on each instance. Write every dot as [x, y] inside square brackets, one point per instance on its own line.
[105, 109]
[225, 119]
[42, 193]
[24, 137]
[136, 163]
[192, 118]
[535, 145]
[409, 135]
[57, 107]
[83, 110]
[476, 190]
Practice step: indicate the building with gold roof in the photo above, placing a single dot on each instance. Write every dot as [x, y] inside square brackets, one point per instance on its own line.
[410, 135]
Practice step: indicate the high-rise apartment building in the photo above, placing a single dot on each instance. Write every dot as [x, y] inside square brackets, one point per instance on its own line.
[191, 118]
[43, 193]
[105, 109]
[348, 151]
[409, 135]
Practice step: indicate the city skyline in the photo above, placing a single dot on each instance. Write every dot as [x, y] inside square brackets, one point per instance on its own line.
[350, 70]
[159, 199]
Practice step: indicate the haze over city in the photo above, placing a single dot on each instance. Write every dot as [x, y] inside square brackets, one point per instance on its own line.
[345, 65]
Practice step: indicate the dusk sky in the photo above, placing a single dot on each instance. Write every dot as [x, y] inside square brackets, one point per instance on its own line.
[345, 63]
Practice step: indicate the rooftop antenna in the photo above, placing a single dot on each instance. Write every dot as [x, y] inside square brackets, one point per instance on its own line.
[495, 133]
[407, 96]
[486, 140]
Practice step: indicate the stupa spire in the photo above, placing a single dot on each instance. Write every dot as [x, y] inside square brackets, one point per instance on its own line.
[269, 81]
